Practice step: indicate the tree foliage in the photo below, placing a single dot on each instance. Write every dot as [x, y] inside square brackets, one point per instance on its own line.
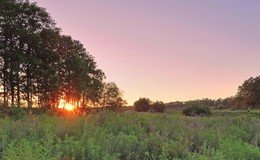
[39, 66]
[112, 96]
[158, 106]
[142, 105]
[249, 91]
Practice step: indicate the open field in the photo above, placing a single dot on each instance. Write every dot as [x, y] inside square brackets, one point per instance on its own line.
[130, 135]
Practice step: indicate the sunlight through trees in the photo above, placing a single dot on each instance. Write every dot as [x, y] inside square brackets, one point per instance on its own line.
[39, 66]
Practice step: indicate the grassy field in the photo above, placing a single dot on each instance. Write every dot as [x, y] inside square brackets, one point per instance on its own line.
[233, 135]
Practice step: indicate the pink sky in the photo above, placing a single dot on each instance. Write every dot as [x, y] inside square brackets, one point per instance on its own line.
[167, 50]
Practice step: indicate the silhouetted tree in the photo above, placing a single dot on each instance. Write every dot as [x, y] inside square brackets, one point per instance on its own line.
[142, 105]
[38, 65]
[78, 73]
[21, 24]
[112, 96]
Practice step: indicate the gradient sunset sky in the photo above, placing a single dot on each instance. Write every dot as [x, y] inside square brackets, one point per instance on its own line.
[167, 50]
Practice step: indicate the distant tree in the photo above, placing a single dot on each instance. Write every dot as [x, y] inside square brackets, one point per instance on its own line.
[142, 105]
[176, 104]
[239, 102]
[207, 101]
[112, 96]
[158, 106]
[218, 102]
[250, 91]
[229, 101]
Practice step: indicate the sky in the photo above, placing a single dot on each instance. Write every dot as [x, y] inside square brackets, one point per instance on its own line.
[166, 50]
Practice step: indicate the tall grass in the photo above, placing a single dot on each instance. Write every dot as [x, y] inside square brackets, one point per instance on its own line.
[130, 135]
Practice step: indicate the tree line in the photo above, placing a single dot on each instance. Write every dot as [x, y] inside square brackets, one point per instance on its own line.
[39, 66]
[248, 96]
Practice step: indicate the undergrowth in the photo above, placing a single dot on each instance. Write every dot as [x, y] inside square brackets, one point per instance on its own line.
[130, 135]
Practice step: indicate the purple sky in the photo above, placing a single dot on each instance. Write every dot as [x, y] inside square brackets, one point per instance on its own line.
[167, 50]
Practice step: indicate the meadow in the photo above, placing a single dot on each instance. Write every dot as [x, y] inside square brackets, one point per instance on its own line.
[225, 135]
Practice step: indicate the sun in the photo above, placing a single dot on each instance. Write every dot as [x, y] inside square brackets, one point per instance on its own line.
[68, 106]
[65, 105]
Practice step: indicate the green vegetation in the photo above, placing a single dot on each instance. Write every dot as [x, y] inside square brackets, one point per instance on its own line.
[196, 110]
[112, 97]
[158, 107]
[132, 135]
[249, 92]
[39, 67]
[145, 105]
[142, 105]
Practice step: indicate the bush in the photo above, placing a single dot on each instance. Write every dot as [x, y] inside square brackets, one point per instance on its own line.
[142, 105]
[196, 110]
[18, 113]
[158, 107]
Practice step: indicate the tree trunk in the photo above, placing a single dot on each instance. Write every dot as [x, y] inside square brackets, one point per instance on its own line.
[5, 89]
[18, 91]
[4, 72]
[11, 73]
[28, 80]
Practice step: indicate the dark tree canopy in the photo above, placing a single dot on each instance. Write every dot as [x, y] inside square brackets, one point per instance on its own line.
[21, 49]
[249, 91]
[142, 105]
[39, 66]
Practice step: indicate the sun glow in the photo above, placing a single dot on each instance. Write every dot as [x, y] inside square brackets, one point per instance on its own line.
[65, 105]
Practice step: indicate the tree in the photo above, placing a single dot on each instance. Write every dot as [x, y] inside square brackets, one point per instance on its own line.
[112, 96]
[47, 79]
[21, 24]
[81, 80]
[142, 105]
[176, 104]
[250, 91]
[158, 106]
[6, 43]
[40, 66]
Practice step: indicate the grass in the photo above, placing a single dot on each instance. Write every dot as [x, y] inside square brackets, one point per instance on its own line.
[106, 136]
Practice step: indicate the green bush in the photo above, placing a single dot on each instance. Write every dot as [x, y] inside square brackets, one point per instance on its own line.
[196, 110]
[142, 105]
[18, 113]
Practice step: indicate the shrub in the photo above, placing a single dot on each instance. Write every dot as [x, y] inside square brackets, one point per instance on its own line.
[158, 107]
[196, 110]
[18, 113]
[142, 105]
[38, 111]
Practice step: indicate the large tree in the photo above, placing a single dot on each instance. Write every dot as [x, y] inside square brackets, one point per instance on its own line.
[250, 91]
[21, 25]
[112, 96]
[38, 64]
[81, 80]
